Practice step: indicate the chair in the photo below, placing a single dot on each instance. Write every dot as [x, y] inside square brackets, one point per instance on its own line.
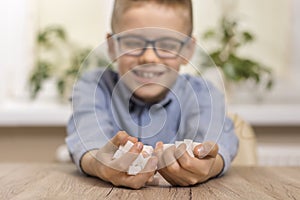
[247, 153]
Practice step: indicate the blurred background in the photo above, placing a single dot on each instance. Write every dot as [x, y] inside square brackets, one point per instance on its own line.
[43, 43]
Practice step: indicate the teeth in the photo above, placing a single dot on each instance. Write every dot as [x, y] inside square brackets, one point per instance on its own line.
[147, 74]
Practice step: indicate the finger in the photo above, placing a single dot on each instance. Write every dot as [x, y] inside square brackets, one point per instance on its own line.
[172, 168]
[120, 138]
[162, 166]
[206, 150]
[178, 175]
[201, 167]
[193, 165]
[168, 156]
[150, 166]
[132, 139]
[112, 146]
[141, 179]
[153, 181]
[180, 150]
[158, 152]
[104, 156]
[159, 147]
[123, 163]
[165, 175]
[197, 169]
[183, 156]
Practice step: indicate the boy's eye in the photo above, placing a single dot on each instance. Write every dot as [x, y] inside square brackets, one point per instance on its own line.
[168, 45]
[132, 43]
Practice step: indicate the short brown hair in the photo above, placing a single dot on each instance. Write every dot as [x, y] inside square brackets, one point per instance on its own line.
[121, 6]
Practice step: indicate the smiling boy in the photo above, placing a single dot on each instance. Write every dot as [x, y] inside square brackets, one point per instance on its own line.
[148, 99]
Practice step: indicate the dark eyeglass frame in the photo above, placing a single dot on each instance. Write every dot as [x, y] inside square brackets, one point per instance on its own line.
[153, 44]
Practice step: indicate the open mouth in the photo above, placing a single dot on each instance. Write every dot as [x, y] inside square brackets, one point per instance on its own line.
[147, 74]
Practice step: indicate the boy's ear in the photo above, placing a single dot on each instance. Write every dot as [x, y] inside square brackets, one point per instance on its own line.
[189, 50]
[111, 46]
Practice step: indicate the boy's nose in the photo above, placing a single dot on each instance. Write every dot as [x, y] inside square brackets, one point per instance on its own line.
[149, 56]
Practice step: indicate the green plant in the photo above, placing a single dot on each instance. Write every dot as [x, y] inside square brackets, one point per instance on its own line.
[235, 68]
[60, 59]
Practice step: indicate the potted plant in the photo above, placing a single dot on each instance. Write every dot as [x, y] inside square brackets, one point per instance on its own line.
[59, 60]
[235, 68]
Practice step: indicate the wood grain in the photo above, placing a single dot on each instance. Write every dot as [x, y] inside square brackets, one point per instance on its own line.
[62, 181]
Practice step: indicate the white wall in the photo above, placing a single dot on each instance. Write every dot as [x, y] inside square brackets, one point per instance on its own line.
[87, 22]
[17, 35]
[296, 37]
[269, 20]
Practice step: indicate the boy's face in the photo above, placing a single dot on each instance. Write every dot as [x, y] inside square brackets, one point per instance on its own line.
[149, 58]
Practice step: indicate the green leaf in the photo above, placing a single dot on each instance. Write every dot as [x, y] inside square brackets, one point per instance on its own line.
[247, 37]
[61, 84]
[235, 68]
[209, 34]
[48, 36]
[270, 84]
[39, 75]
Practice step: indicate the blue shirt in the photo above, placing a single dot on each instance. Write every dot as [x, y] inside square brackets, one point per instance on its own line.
[192, 109]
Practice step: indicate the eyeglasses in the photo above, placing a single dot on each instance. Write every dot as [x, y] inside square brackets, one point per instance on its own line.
[166, 47]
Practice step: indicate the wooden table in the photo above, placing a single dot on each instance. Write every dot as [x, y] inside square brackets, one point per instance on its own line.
[62, 181]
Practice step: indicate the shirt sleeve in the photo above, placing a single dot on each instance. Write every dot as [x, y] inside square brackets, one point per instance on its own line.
[228, 145]
[90, 126]
[227, 139]
[214, 124]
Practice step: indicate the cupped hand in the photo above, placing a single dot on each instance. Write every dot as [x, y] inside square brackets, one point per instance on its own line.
[180, 169]
[100, 163]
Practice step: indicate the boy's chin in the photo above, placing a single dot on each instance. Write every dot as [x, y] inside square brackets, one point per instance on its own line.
[151, 93]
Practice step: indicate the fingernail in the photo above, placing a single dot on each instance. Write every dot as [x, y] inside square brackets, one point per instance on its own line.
[150, 179]
[139, 145]
[158, 144]
[201, 151]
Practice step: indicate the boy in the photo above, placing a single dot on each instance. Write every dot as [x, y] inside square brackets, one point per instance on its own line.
[150, 101]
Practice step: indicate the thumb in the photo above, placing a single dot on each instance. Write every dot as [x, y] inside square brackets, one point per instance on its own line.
[206, 150]
[119, 139]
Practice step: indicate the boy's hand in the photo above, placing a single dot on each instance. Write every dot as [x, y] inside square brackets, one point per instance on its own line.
[178, 168]
[99, 163]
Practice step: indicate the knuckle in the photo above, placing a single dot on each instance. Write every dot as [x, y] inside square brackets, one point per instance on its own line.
[105, 172]
[216, 148]
[108, 174]
[183, 184]
[135, 185]
[173, 169]
[115, 183]
[120, 167]
[193, 181]
[121, 134]
[186, 164]
[206, 172]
